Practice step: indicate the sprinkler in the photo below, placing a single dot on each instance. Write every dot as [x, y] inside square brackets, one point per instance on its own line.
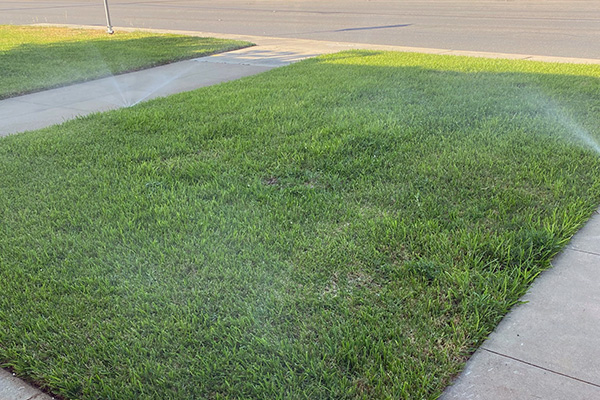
[109, 28]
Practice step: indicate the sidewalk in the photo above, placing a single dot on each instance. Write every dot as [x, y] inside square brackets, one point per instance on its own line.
[548, 348]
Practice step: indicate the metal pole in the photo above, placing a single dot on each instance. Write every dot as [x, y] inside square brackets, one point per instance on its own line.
[109, 28]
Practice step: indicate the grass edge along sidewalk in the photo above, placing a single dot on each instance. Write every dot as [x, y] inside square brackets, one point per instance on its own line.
[35, 58]
[330, 239]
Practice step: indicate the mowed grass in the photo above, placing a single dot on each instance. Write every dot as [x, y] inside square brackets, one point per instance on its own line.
[348, 227]
[35, 58]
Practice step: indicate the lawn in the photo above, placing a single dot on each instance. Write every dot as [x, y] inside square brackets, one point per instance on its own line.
[35, 58]
[348, 227]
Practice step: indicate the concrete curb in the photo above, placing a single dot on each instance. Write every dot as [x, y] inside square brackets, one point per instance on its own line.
[339, 46]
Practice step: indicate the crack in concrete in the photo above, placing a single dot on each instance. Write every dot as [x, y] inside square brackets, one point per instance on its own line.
[584, 251]
[37, 395]
[542, 368]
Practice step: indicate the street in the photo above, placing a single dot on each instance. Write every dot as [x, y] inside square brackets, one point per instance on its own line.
[567, 28]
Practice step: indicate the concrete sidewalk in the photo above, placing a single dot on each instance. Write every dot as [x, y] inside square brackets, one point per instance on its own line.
[548, 348]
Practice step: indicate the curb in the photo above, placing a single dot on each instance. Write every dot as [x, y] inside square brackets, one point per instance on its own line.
[338, 46]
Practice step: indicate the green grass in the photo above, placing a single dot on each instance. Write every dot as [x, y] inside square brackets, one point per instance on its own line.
[36, 58]
[348, 227]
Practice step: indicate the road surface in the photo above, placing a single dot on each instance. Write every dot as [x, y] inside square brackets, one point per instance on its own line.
[568, 28]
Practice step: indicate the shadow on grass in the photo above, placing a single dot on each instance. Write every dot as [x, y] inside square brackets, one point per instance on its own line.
[32, 67]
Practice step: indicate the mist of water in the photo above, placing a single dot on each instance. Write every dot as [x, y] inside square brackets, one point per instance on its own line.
[584, 137]
[159, 84]
[149, 86]
[574, 131]
[99, 60]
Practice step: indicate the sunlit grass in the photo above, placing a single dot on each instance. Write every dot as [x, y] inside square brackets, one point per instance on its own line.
[349, 227]
[474, 65]
[35, 58]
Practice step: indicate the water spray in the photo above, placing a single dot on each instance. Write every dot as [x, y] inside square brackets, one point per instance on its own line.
[109, 28]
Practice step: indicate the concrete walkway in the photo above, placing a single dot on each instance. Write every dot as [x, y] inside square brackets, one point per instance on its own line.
[548, 348]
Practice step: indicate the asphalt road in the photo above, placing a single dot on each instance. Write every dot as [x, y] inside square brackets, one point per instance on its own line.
[568, 28]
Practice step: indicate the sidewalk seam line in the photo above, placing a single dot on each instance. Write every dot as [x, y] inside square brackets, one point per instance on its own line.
[583, 251]
[542, 368]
